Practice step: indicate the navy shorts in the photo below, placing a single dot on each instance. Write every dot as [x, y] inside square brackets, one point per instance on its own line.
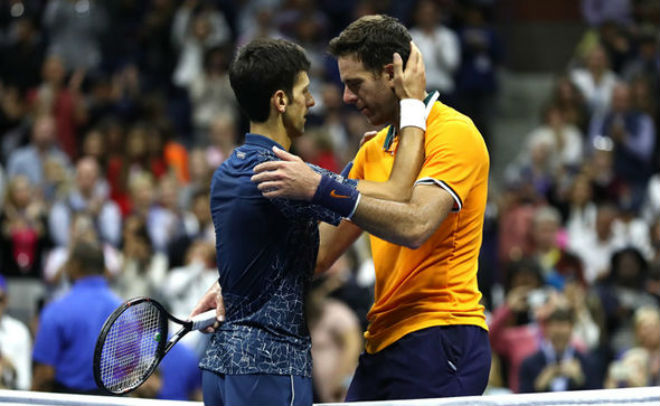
[251, 390]
[434, 362]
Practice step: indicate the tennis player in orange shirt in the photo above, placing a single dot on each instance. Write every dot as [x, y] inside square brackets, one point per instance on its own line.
[427, 334]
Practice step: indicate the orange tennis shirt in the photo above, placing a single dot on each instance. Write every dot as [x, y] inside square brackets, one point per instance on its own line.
[436, 284]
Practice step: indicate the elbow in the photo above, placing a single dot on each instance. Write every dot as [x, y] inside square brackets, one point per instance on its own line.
[416, 236]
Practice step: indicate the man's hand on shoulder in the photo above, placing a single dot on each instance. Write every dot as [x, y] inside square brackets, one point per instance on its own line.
[290, 178]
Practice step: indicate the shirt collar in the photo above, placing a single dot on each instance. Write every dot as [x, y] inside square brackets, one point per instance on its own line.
[429, 100]
[261, 141]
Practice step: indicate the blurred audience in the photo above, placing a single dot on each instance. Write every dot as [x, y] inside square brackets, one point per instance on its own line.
[558, 365]
[136, 94]
[15, 347]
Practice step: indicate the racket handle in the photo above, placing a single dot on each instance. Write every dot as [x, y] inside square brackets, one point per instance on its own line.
[203, 320]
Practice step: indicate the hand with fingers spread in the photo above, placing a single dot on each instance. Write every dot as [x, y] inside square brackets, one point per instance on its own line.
[411, 82]
[289, 178]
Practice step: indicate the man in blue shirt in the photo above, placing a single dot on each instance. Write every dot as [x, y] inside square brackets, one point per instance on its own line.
[267, 248]
[68, 329]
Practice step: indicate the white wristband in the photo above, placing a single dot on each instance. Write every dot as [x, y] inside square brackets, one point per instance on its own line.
[412, 114]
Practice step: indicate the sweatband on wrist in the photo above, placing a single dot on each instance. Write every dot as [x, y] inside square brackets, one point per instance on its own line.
[347, 169]
[336, 196]
[412, 114]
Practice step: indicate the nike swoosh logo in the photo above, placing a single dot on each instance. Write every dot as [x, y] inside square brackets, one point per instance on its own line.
[337, 196]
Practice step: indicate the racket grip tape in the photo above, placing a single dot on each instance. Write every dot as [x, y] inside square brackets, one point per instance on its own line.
[203, 320]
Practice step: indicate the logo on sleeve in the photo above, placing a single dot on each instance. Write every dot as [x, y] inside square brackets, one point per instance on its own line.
[336, 195]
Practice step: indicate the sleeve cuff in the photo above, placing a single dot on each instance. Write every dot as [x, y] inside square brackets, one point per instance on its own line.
[458, 203]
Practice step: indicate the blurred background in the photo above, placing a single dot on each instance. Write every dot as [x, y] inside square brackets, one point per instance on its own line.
[114, 114]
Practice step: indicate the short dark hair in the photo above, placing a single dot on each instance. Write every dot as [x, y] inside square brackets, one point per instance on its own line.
[89, 256]
[561, 314]
[373, 39]
[260, 69]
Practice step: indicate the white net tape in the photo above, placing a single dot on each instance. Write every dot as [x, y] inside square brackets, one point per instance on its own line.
[649, 396]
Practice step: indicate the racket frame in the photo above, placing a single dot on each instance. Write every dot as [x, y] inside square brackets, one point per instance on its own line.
[162, 349]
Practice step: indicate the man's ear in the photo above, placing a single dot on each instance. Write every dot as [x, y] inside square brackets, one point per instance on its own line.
[280, 101]
[388, 72]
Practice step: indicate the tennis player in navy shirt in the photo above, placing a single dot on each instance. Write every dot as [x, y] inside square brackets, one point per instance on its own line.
[267, 248]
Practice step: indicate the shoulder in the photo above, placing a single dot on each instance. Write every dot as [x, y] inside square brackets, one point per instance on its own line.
[449, 128]
[16, 327]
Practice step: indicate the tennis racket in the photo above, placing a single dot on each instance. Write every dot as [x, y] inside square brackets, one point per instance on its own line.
[133, 341]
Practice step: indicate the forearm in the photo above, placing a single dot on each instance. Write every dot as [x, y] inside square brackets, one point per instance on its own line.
[407, 164]
[334, 241]
[409, 224]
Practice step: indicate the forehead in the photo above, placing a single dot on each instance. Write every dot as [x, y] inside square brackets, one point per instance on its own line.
[350, 67]
[302, 79]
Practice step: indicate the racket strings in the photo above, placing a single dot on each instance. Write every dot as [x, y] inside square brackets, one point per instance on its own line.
[131, 347]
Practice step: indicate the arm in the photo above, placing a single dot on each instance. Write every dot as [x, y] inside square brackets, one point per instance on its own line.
[334, 241]
[43, 377]
[409, 224]
[407, 163]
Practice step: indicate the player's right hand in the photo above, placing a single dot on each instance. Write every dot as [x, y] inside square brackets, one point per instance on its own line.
[411, 82]
[212, 299]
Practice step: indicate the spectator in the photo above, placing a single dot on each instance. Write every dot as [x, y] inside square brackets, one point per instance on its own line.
[15, 345]
[570, 101]
[211, 94]
[222, 139]
[558, 365]
[167, 221]
[557, 265]
[63, 100]
[194, 31]
[42, 151]
[621, 294]
[597, 246]
[565, 139]
[75, 30]
[640, 365]
[514, 334]
[142, 271]
[3, 185]
[81, 228]
[596, 81]
[22, 55]
[439, 45]
[184, 286]
[90, 195]
[480, 56]
[62, 360]
[23, 230]
[596, 12]
[633, 134]
[581, 208]
[647, 334]
[336, 345]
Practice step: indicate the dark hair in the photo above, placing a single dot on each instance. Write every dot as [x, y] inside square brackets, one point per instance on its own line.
[521, 266]
[373, 39]
[561, 314]
[89, 256]
[261, 68]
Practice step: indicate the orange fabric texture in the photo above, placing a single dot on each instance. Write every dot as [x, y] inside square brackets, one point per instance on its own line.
[436, 284]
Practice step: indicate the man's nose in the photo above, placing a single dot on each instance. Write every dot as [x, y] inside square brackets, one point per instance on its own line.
[349, 97]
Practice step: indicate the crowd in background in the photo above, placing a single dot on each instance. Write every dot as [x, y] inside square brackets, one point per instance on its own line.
[114, 114]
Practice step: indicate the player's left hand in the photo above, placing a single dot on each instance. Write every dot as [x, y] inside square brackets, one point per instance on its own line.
[289, 178]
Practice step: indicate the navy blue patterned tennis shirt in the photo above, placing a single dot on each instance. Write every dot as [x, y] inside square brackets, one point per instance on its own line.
[266, 252]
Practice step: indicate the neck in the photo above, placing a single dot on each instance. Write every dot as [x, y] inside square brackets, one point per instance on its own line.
[274, 129]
